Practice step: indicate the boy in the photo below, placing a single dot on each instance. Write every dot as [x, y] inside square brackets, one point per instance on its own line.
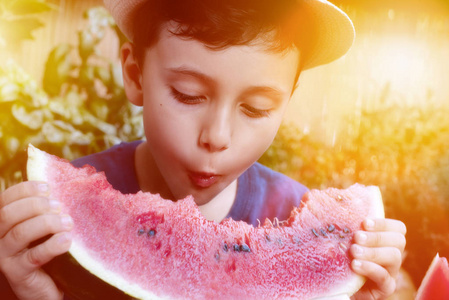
[214, 79]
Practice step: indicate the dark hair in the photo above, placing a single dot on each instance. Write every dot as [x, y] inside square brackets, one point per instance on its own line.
[273, 24]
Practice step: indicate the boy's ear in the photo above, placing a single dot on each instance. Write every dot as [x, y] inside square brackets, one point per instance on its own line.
[132, 76]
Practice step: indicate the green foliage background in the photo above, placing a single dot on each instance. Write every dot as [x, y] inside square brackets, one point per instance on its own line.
[22, 16]
[404, 151]
[81, 108]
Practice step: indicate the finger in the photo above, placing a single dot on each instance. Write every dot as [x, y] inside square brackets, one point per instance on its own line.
[34, 258]
[380, 276]
[384, 225]
[23, 190]
[380, 239]
[388, 257]
[37, 285]
[20, 236]
[24, 209]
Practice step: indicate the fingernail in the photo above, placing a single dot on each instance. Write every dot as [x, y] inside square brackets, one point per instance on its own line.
[369, 224]
[67, 221]
[65, 237]
[357, 264]
[361, 237]
[55, 206]
[43, 187]
[357, 250]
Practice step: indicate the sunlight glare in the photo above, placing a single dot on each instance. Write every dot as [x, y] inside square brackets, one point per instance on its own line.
[401, 61]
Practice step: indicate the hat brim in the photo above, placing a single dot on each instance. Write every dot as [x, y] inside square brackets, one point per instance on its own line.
[333, 31]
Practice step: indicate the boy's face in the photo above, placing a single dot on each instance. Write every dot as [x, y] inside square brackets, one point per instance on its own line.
[210, 114]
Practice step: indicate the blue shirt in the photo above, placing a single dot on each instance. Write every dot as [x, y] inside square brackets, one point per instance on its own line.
[261, 192]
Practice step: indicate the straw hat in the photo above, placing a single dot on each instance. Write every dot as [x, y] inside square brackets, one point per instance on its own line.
[333, 32]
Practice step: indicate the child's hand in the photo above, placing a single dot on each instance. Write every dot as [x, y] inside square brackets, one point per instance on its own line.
[378, 255]
[26, 215]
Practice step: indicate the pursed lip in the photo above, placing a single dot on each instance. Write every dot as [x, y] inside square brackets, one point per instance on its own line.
[203, 179]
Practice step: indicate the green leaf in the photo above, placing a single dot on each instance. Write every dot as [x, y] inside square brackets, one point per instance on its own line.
[54, 134]
[100, 109]
[57, 69]
[103, 74]
[15, 31]
[106, 128]
[9, 92]
[87, 75]
[87, 43]
[59, 132]
[26, 7]
[32, 120]
[12, 144]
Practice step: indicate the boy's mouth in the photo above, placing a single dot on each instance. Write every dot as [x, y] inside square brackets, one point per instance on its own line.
[203, 180]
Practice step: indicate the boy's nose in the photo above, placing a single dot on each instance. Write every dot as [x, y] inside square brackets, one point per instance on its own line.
[216, 132]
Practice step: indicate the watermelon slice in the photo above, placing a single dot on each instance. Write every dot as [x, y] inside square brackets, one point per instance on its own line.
[153, 248]
[435, 284]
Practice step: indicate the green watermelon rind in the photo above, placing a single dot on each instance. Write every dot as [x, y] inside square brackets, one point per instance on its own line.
[36, 171]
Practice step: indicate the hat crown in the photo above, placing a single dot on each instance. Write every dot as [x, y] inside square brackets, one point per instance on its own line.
[330, 38]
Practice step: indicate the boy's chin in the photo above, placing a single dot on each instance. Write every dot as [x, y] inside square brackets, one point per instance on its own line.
[202, 198]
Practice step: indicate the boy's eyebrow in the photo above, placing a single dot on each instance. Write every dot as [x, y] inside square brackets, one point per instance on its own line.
[270, 91]
[201, 76]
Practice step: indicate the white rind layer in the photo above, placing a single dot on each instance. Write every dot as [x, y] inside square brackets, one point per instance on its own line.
[37, 161]
[36, 164]
[36, 171]
[357, 281]
[89, 263]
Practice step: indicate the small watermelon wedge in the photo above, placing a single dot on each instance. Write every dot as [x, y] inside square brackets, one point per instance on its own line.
[152, 248]
[435, 284]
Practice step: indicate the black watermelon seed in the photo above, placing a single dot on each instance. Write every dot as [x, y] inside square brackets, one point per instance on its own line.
[236, 248]
[217, 256]
[245, 248]
[151, 233]
[225, 247]
[331, 228]
[140, 231]
[267, 237]
[323, 232]
[314, 232]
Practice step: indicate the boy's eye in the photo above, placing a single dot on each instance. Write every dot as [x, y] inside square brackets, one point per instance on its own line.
[253, 112]
[186, 99]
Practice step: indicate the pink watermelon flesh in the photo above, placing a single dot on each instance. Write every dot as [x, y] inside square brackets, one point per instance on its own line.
[153, 248]
[435, 285]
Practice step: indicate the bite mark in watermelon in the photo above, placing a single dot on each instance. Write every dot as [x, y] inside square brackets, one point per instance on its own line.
[435, 284]
[153, 248]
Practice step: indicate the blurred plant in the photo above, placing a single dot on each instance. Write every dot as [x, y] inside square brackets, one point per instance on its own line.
[81, 109]
[19, 18]
[403, 150]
